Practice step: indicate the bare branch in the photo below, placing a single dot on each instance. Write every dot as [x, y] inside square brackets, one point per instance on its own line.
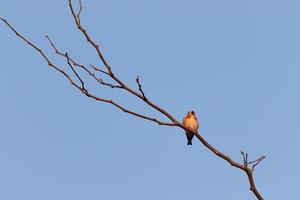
[256, 162]
[245, 158]
[40, 52]
[233, 163]
[140, 88]
[96, 46]
[71, 60]
[99, 70]
[81, 88]
[129, 111]
[81, 81]
[111, 74]
[79, 12]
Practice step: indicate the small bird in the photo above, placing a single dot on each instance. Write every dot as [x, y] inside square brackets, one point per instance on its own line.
[190, 121]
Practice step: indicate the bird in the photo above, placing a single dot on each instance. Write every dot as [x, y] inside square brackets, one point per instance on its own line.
[190, 121]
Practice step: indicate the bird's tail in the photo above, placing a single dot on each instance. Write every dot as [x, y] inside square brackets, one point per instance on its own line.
[189, 137]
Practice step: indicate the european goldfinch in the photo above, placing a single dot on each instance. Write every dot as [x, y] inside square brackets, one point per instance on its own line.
[190, 122]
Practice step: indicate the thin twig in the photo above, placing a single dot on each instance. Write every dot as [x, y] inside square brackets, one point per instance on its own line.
[140, 87]
[99, 70]
[81, 81]
[99, 80]
[79, 12]
[254, 163]
[257, 161]
[78, 23]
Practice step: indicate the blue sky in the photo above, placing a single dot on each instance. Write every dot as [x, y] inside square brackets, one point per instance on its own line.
[235, 62]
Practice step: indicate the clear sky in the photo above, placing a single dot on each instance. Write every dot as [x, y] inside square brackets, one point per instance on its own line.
[235, 62]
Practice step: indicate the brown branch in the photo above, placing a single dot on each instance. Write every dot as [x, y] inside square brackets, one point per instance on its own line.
[78, 23]
[256, 162]
[79, 12]
[81, 88]
[99, 80]
[245, 158]
[244, 166]
[140, 88]
[81, 81]
[233, 163]
[99, 70]
[111, 74]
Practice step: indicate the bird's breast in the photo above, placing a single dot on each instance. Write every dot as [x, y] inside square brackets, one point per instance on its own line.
[191, 123]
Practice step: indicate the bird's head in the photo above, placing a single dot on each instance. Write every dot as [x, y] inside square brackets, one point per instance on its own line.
[191, 113]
